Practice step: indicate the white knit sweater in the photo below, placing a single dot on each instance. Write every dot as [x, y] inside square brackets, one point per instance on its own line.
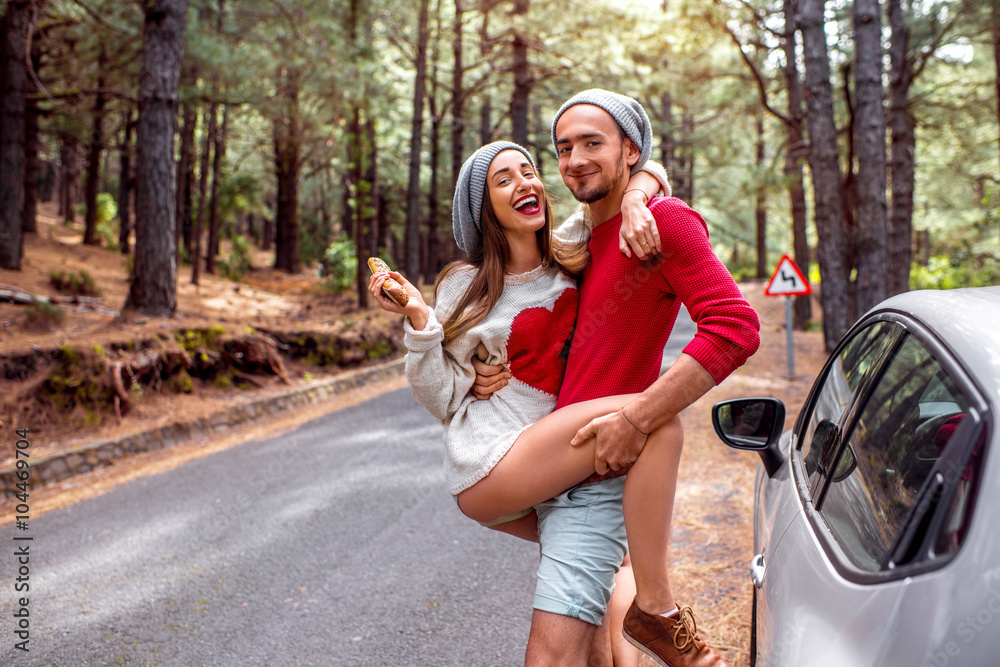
[529, 327]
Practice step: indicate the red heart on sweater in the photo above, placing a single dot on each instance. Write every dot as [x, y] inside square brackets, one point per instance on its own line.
[537, 339]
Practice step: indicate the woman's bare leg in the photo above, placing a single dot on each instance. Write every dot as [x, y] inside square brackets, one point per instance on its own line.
[648, 504]
[541, 464]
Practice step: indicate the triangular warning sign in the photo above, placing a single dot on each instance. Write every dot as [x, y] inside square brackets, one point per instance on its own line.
[787, 280]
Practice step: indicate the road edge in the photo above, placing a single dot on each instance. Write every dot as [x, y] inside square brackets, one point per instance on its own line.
[59, 466]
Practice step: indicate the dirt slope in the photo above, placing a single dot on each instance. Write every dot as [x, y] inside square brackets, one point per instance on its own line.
[265, 300]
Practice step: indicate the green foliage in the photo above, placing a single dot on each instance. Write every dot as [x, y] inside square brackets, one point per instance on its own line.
[107, 207]
[314, 237]
[180, 383]
[960, 270]
[135, 391]
[77, 284]
[379, 349]
[238, 193]
[238, 262]
[339, 265]
[197, 340]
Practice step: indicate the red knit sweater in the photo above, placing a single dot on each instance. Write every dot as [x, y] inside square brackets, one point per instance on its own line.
[628, 309]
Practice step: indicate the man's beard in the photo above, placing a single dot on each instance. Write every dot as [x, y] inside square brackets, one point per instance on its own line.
[602, 189]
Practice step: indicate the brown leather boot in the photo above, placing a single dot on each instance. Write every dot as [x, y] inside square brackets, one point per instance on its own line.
[671, 641]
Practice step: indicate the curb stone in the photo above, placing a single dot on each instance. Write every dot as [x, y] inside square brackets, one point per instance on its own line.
[84, 458]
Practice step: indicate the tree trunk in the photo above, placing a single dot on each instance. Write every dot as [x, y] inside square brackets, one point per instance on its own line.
[793, 163]
[416, 142]
[458, 99]
[352, 178]
[356, 205]
[872, 254]
[382, 224]
[365, 198]
[370, 212]
[827, 195]
[17, 28]
[522, 78]
[685, 165]
[287, 151]
[154, 277]
[903, 152]
[32, 115]
[432, 262]
[199, 224]
[94, 155]
[995, 16]
[761, 201]
[70, 158]
[218, 151]
[185, 169]
[188, 214]
[432, 257]
[849, 187]
[266, 232]
[666, 132]
[486, 121]
[125, 185]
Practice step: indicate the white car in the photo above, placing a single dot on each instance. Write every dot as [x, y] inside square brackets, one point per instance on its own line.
[877, 517]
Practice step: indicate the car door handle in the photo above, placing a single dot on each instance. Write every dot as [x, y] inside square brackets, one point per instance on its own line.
[757, 568]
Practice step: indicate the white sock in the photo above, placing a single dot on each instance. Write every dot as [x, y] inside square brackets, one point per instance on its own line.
[671, 612]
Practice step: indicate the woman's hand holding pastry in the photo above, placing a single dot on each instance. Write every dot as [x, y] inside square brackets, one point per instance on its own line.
[415, 309]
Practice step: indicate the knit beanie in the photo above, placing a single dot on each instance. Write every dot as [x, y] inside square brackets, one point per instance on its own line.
[470, 191]
[627, 112]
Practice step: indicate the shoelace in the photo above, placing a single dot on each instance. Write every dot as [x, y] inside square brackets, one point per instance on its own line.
[685, 630]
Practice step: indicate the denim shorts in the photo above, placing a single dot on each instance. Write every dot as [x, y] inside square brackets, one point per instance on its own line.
[582, 535]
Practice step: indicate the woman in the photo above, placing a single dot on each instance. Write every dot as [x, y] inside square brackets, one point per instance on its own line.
[515, 299]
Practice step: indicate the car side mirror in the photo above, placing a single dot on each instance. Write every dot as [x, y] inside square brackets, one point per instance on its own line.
[753, 424]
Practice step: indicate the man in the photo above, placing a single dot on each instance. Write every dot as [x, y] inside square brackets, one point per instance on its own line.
[627, 310]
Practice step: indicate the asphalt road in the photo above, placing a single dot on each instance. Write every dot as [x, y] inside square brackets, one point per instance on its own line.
[682, 333]
[335, 544]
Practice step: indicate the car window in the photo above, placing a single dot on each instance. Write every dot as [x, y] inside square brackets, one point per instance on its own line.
[896, 440]
[821, 438]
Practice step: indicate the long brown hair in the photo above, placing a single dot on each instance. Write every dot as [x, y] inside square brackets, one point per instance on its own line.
[490, 261]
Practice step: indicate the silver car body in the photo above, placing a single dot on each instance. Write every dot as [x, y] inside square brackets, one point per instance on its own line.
[810, 613]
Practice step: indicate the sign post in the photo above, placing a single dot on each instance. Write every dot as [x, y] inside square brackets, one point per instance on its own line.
[788, 281]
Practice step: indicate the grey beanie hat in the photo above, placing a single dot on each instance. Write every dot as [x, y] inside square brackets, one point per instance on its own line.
[470, 190]
[627, 112]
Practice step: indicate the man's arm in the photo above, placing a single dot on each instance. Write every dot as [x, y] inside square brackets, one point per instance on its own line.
[622, 435]
[728, 333]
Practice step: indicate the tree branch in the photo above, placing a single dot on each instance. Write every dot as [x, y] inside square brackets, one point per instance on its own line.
[97, 17]
[291, 20]
[761, 84]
